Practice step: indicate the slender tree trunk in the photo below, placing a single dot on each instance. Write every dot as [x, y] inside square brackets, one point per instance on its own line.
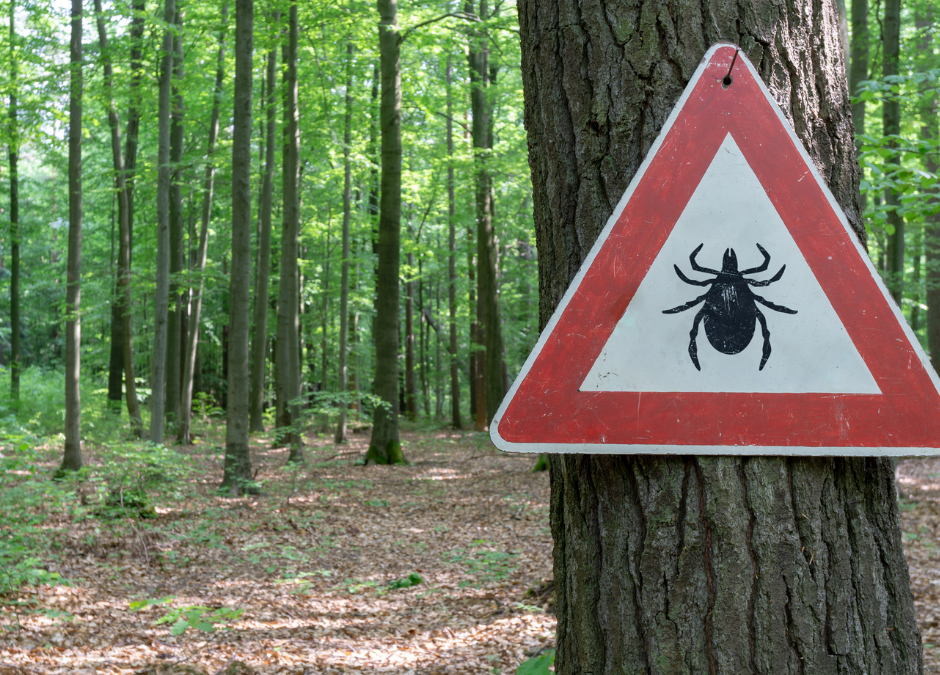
[930, 131]
[259, 343]
[385, 446]
[116, 356]
[411, 407]
[122, 292]
[858, 71]
[175, 311]
[72, 458]
[288, 306]
[16, 361]
[190, 370]
[452, 256]
[681, 564]
[487, 289]
[237, 459]
[340, 436]
[162, 290]
[916, 255]
[133, 113]
[891, 118]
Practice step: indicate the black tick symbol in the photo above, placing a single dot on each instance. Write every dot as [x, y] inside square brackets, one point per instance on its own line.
[730, 306]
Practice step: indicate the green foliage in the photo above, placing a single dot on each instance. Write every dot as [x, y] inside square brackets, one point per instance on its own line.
[485, 566]
[203, 619]
[538, 665]
[412, 579]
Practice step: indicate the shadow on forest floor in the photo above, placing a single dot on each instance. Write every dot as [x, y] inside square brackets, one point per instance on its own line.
[336, 567]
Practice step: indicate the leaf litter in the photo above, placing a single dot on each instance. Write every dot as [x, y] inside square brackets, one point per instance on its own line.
[334, 568]
[443, 566]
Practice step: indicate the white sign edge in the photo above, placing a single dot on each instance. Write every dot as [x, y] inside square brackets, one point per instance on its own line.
[659, 449]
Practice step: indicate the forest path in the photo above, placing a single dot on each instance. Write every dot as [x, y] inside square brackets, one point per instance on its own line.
[322, 561]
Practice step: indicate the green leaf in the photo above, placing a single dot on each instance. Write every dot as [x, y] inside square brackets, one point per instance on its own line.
[179, 627]
[538, 665]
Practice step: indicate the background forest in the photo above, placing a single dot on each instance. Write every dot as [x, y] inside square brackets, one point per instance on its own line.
[366, 298]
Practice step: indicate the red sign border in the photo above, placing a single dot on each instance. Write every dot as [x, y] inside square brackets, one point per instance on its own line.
[544, 410]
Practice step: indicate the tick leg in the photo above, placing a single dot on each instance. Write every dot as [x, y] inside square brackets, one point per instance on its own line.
[762, 266]
[688, 305]
[693, 348]
[691, 282]
[776, 308]
[766, 333]
[766, 282]
[696, 266]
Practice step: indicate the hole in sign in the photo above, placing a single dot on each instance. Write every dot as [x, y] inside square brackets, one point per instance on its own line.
[726, 81]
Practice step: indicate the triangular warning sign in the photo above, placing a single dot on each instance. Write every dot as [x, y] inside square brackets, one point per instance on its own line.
[726, 308]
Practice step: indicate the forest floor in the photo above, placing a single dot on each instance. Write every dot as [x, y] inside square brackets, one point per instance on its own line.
[320, 564]
[436, 567]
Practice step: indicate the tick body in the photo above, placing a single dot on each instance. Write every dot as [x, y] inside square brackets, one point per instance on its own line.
[730, 313]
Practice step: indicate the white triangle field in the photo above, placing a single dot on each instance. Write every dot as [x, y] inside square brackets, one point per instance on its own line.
[811, 352]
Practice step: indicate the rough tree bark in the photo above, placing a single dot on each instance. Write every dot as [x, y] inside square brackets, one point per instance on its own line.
[385, 445]
[162, 291]
[192, 336]
[237, 479]
[260, 340]
[340, 436]
[681, 564]
[287, 347]
[122, 291]
[72, 457]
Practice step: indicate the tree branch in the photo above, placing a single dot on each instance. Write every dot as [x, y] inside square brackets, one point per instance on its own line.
[455, 15]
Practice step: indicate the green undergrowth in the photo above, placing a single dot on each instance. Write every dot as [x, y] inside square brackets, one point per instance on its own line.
[38, 505]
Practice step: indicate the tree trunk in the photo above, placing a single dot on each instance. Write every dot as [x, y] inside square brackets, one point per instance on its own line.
[72, 457]
[930, 131]
[340, 436]
[259, 343]
[175, 310]
[133, 114]
[162, 289]
[679, 564]
[14, 143]
[891, 119]
[237, 459]
[858, 71]
[122, 291]
[385, 446]
[411, 407]
[287, 374]
[190, 371]
[452, 256]
[487, 289]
